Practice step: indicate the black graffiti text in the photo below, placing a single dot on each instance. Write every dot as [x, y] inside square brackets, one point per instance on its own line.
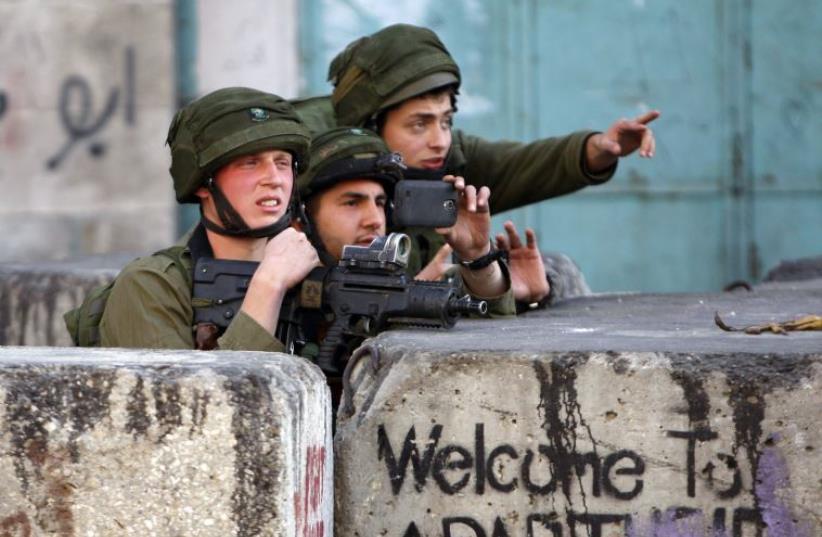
[699, 436]
[572, 523]
[453, 467]
[76, 106]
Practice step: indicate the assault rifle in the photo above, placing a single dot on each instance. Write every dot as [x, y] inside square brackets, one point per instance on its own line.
[365, 293]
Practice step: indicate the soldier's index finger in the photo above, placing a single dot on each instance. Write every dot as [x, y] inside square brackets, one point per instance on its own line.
[647, 117]
[513, 236]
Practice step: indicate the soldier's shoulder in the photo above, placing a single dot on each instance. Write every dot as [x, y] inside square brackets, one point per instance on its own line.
[158, 264]
[316, 112]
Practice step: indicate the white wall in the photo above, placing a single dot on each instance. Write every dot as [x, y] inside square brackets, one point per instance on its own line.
[248, 43]
[87, 175]
[106, 188]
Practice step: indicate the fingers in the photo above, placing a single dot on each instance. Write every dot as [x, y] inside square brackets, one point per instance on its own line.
[647, 147]
[502, 242]
[630, 126]
[443, 254]
[456, 180]
[531, 239]
[513, 235]
[482, 200]
[470, 198]
[647, 117]
[435, 268]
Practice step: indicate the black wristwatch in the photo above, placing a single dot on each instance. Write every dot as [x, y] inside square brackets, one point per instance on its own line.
[484, 261]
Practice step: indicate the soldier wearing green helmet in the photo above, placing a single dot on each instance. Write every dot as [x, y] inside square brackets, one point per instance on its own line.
[345, 195]
[345, 191]
[235, 152]
[403, 82]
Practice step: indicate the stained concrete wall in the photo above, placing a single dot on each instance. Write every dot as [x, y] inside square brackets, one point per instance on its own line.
[86, 94]
[87, 91]
[605, 416]
[113, 442]
[34, 297]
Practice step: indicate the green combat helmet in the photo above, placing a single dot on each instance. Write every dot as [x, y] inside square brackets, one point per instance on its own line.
[342, 154]
[386, 68]
[228, 123]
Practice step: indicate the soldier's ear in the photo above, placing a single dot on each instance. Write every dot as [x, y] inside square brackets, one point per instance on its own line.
[202, 193]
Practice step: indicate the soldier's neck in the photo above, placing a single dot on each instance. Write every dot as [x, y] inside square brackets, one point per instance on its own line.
[240, 248]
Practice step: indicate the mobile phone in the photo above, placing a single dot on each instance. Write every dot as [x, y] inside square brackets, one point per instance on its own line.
[424, 203]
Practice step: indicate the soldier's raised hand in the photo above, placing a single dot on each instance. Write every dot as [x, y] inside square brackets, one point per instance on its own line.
[528, 279]
[288, 259]
[470, 235]
[621, 139]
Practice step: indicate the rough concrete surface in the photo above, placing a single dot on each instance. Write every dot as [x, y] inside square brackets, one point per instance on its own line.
[34, 297]
[115, 442]
[603, 416]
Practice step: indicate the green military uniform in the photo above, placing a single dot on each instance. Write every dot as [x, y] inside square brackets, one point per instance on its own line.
[150, 306]
[401, 61]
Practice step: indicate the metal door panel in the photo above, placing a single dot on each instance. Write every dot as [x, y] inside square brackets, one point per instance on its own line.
[681, 236]
[738, 146]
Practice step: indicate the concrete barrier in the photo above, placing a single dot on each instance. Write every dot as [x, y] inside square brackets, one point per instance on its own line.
[34, 297]
[114, 442]
[609, 415]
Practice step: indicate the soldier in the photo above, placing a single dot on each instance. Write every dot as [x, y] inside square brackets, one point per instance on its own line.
[344, 198]
[236, 153]
[403, 83]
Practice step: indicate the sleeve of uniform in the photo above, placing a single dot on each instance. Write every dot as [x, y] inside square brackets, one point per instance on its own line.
[503, 305]
[149, 307]
[519, 174]
[246, 334]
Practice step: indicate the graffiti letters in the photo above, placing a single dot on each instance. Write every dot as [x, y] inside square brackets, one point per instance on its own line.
[702, 435]
[453, 467]
[76, 112]
[417, 462]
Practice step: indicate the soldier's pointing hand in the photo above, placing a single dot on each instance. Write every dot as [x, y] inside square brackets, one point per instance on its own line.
[620, 140]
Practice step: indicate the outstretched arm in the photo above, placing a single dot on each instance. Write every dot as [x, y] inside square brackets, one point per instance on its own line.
[625, 136]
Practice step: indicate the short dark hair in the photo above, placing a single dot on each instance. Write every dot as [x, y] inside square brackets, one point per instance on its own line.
[378, 123]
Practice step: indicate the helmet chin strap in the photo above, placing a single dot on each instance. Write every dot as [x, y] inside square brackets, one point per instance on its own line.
[233, 223]
[313, 237]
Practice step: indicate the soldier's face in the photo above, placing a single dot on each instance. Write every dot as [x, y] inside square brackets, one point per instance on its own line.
[420, 130]
[258, 186]
[350, 212]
